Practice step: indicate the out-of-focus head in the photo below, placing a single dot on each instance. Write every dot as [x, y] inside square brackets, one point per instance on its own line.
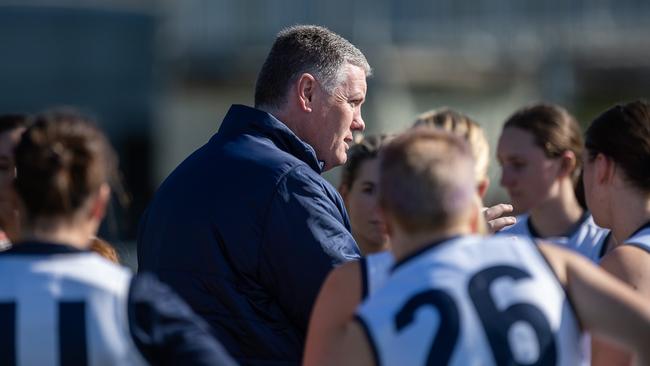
[621, 137]
[63, 163]
[315, 82]
[427, 182]
[359, 189]
[11, 127]
[459, 124]
[539, 146]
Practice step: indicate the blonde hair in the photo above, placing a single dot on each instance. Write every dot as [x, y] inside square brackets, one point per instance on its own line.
[449, 120]
[103, 248]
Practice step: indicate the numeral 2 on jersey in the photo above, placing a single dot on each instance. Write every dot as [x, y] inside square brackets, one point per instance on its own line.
[495, 322]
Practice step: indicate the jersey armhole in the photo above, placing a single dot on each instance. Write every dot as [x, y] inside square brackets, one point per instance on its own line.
[364, 277]
[535, 244]
[369, 338]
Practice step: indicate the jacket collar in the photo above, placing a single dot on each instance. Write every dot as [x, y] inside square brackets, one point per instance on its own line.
[242, 119]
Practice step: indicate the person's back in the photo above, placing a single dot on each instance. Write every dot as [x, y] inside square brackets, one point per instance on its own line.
[63, 304]
[234, 266]
[478, 301]
[246, 229]
[60, 297]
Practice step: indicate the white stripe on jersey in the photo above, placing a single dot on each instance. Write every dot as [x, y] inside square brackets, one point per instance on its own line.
[587, 238]
[38, 284]
[483, 283]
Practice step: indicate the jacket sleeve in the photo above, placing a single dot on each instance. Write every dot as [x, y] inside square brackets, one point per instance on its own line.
[304, 238]
[166, 331]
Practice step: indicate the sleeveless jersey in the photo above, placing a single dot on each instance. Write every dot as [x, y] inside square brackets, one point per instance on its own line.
[472, 301]
[375, 269]
[640, 238]
[586, 237]
[61, 307]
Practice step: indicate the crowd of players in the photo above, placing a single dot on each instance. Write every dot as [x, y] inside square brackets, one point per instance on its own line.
[440, 281]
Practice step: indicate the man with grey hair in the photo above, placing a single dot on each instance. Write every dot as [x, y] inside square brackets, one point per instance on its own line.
[246, 229]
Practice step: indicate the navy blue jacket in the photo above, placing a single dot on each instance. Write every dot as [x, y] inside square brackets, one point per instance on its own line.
[245, 230]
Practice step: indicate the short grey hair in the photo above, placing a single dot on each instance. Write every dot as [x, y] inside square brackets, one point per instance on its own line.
[305, 49]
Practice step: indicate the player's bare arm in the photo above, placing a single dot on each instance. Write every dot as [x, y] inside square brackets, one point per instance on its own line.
[604, 305]
[334, 308]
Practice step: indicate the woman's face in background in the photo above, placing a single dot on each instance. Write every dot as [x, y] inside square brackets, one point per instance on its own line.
[361, 200]
[526, 173]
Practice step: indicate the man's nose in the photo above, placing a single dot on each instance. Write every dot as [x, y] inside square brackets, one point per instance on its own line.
[357, 123]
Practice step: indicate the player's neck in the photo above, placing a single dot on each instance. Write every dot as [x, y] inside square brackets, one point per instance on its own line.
[630, 210]
[58, 233]
[556, 216]
[404, 243]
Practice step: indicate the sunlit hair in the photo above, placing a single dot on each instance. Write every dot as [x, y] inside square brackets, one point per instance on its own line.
[103, 248]
[622, 133]
[459, 124]
[365, 148]
[427, 179]
[554, 130]
[305, 49]
[61, 160]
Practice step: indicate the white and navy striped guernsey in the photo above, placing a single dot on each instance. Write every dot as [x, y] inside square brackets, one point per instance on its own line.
[640, 238]
[63, 306]
[472, 301]
[585, 237]
[375, 269]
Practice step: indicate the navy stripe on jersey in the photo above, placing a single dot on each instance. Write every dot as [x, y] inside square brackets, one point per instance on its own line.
[572, 230]
[371, 341]
[420, 251]
[72, 333]
[41, 248]
[644, 226]
[604, 247]
[8, 333]
[364, 277]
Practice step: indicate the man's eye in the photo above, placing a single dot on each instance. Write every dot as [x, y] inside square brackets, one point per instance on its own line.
[368, 189]
[518, 166]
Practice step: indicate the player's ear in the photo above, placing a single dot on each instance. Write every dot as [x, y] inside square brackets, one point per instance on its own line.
[483, 186]
[100, 202]
[605, 168]
[476, 219]
[568, 163]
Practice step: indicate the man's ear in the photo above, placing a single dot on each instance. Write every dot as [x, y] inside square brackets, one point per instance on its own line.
[306, 85]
